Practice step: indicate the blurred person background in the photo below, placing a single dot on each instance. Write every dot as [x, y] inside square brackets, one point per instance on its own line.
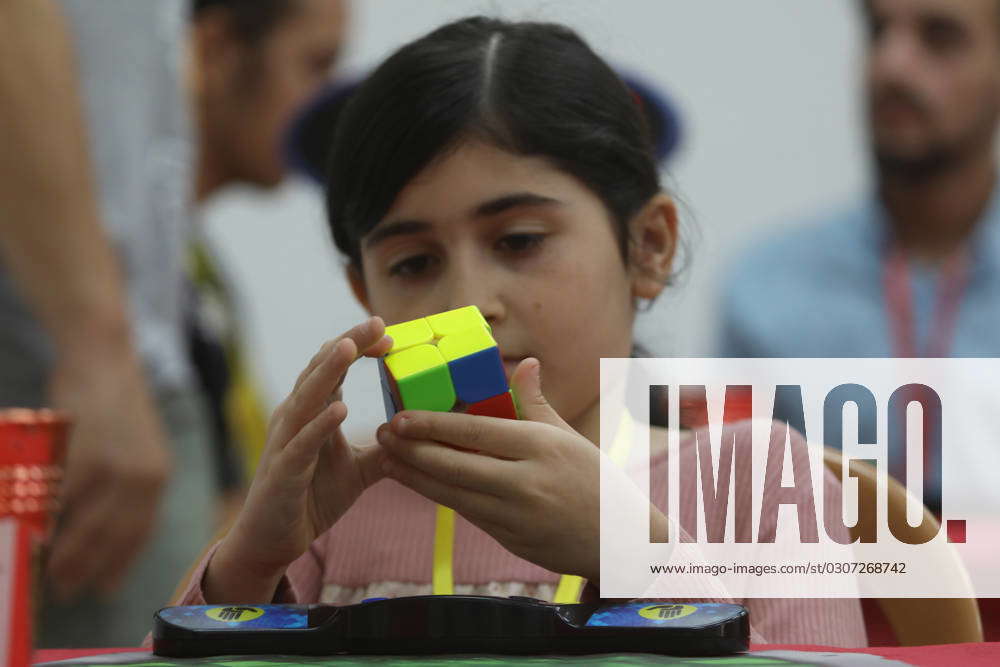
[910, 268]
[94, 191]
[254, 64]
[108, 155]
[913, 268]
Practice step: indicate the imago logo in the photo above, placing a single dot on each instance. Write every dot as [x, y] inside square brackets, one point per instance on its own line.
[734, 468]
[828, 478]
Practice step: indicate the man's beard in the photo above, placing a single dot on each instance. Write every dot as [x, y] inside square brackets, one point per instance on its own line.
[938, 157]
[918, 168]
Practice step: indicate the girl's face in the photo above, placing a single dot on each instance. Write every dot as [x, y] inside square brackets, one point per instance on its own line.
[529, 245]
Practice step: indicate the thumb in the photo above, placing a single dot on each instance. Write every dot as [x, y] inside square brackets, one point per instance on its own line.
[370, 460]
[526, 382]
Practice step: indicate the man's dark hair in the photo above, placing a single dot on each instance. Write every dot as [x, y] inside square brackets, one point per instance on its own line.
[252, 20]
[865, 7]
[533, 89]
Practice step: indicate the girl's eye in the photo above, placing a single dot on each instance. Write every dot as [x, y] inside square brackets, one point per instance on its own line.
[413, 266]
[522, 242]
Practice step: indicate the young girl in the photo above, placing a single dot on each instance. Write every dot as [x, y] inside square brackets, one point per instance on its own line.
[502, 165]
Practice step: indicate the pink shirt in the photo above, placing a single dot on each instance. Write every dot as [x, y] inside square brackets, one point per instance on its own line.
[383, 547]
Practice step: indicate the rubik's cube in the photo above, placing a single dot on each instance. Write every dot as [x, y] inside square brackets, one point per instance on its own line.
[445, 362]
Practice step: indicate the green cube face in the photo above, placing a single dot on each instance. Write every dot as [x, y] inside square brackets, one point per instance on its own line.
[422, 378]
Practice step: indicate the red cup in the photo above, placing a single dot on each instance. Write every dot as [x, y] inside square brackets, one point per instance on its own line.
[32, 451]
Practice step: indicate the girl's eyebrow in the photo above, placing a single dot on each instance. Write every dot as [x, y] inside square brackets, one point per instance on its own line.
[506, 202]
[484, 210]
[382, 232]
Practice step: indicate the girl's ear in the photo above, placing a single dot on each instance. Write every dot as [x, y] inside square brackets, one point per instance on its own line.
[357, 282]
[653, 245]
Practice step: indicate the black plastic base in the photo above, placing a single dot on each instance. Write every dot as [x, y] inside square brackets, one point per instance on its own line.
[435, 624]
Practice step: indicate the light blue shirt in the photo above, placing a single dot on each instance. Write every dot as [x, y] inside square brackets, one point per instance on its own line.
[817, 291]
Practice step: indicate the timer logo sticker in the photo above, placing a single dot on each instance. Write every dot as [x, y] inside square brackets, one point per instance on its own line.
[667, 612]
[234, 614]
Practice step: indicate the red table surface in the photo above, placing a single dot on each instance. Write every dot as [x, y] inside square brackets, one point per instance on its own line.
[970, 655]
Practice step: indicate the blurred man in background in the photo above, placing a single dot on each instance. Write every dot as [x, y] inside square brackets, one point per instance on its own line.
[913, 270]
[255, 63]
[94, 177]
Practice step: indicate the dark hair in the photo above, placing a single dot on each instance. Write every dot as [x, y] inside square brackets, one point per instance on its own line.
[253, 20]
[865, 7]
[533, 89]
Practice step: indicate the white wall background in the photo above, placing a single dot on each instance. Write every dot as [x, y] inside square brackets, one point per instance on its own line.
[769, 95]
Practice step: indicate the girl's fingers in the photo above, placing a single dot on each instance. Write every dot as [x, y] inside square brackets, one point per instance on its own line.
[367, 334]
[504, 438]
[369, 338]
[321, 354]
[379, 348]
[311, 398]
[317, 387]
[450, 466]
[302, 450]
[370, 460]
[327, 375]
[473, 505]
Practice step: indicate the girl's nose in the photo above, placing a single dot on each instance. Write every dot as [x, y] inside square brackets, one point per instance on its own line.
[475, 287]
[490, 306]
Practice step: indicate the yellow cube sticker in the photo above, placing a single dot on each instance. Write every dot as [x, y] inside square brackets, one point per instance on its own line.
[456, 346]
[413, 360]
[408, 334]
[456, 321]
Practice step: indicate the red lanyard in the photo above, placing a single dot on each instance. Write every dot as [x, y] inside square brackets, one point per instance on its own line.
[899, 304]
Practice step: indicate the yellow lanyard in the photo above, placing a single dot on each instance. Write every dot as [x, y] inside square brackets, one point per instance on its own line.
[570, 585]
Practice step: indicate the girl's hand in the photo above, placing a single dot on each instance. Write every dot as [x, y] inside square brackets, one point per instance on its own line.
[533, 484]
[308, 475]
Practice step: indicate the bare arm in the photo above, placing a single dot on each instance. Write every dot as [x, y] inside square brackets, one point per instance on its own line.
[50, 233]
[53, 244]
